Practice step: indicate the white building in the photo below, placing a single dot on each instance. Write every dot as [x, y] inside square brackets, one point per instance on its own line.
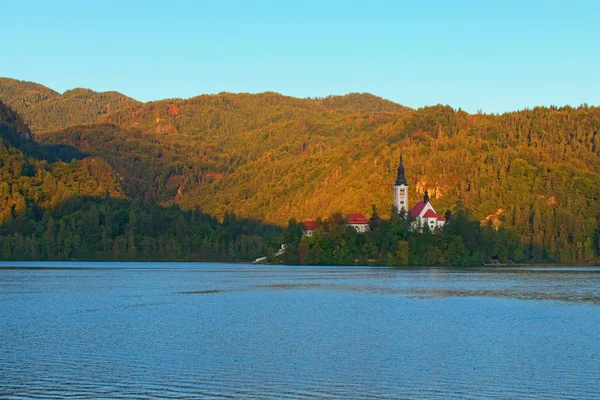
[422, 212]
[401, 189]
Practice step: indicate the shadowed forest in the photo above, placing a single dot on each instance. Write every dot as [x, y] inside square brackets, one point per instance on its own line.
[89, 175]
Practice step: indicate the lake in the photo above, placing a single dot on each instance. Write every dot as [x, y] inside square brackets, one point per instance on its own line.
[187, 330]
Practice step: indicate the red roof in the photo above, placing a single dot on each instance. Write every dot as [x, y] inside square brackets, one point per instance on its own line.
[310, 225]
[416, 210]
[355, 218]
[430, 214]
[440, 218]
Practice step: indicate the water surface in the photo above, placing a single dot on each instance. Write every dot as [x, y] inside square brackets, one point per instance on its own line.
[181, 330]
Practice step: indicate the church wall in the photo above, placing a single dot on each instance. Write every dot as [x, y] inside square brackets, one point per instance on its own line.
[360, 228]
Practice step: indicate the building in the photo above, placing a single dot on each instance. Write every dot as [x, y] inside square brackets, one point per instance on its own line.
[401, 189]
[308, 227]
[355, 220]
[358, 222]
[422, 212]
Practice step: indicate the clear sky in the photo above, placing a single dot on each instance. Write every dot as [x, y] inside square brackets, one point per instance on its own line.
[493, 55]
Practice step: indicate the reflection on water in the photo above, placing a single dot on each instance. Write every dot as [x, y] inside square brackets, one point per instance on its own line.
[148, 330]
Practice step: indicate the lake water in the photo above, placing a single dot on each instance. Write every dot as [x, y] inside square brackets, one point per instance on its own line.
[177, 330]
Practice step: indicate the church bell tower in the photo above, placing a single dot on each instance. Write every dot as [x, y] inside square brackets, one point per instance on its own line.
[401, 189]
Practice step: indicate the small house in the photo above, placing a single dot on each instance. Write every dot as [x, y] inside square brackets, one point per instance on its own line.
[358, 222]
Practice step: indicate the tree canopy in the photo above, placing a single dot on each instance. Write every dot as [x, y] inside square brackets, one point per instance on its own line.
[270, 158]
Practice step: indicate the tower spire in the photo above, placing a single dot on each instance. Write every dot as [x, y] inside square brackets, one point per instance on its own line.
[400, 180]
[401, 189]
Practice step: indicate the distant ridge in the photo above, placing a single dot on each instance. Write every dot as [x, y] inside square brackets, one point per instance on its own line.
[44, 109]
[362, 102]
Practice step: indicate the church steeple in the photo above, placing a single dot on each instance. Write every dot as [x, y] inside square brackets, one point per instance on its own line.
[400, 180]
[401, 189]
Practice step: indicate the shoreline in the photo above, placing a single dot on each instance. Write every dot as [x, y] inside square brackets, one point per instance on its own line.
[71, 264]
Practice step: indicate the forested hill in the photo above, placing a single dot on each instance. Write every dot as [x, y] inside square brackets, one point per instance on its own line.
[361, 102]
[36, 176]
[273, 157]
[57, 203]
[44, 109]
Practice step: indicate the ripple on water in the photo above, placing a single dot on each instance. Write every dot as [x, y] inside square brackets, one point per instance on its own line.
[298, 333]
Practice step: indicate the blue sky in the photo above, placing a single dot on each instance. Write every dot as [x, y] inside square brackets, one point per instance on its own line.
[491, 55]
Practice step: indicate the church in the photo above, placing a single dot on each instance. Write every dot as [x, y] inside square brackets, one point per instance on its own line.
[423, 212]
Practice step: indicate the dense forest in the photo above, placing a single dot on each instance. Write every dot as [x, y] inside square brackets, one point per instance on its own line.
[43, 109]
[58, 204]
[269, 158]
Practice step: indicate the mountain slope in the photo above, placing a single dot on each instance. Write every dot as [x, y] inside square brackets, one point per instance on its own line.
[535, 171]
[58, 204]
[272, 157]
[44, 109]
[34, 175]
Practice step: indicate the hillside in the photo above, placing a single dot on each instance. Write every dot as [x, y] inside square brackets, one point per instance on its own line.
[43, 109]
[365, 102]
[38, 176]
[56, 203]
[273, 157]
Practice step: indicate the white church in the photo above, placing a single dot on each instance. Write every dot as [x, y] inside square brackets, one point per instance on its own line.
[423, 212]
